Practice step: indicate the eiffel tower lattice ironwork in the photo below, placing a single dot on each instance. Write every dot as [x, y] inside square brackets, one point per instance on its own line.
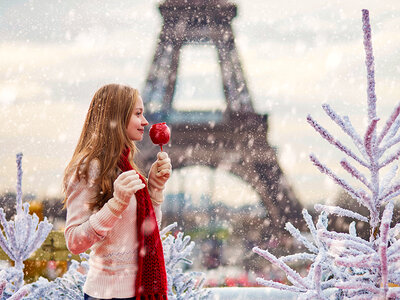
[234, 140]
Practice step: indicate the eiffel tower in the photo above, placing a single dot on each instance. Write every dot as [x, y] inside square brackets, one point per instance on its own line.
[235, 139]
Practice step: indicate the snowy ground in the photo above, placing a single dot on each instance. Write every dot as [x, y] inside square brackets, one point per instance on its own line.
[253, 293]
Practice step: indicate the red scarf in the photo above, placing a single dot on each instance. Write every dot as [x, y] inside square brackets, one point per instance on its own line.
[151, 278]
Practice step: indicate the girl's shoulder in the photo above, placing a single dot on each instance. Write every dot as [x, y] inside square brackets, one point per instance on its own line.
[93, 172]
[94, 169]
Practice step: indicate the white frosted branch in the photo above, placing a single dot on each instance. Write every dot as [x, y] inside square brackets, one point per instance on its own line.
[19, 182]
[369, 62]
[30, 230]
[298, 236]
[317, 276]
[389, 144]
[389, 123]
[389, 196]
[310, 224]
[3, 284]
[352, 229]
[290, 273]
[360, 261]
[394, 248]
[336, 210]
[393, 130]
[12, 241]
[368, 202]
[391, 190]
[394, 231]
[354, 133]
[42, 232]
[280, 286]
[345, 237]
[341, 182]
[386, 181]
[369, 142]
[357, 286]
[391, 158]
[394, 258]
[352, 245]
[297, 256]
[168, 228]
[383, 244]
[20, 293]
[355, 173]
[5, 247]
[346, 252]
[6, 229]
[327, 136]
[346, 127]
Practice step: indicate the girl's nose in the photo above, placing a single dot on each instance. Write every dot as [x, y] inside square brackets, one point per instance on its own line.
[144, 122]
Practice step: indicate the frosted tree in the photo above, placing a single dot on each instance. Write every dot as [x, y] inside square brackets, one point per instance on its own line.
[344, 265]
[19, 238]
[10, 284]
[69, 286]
[181, 285]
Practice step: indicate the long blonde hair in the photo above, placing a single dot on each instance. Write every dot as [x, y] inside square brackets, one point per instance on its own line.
[103, 138]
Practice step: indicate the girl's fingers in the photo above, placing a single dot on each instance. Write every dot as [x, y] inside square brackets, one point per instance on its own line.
[162, 155]
[163, 173]
[130, 178]
[135, 182]
[123, 175]
[139, 187]
[163, 162]
[133, 187]
[164, 166]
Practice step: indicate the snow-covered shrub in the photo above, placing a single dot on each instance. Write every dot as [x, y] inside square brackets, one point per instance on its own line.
[69, 286]
[181, 285]
[344, 265]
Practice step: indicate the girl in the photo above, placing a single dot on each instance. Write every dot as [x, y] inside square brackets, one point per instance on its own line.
[111, 209]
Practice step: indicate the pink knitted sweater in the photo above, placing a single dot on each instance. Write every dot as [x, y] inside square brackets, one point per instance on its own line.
[111, 239]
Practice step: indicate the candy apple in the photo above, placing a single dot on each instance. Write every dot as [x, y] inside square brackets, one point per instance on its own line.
[160, 134]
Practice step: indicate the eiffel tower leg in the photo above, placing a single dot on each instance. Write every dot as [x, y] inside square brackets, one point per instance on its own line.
[235, 86]
[158, 82]
[281, 202]
[172, 75]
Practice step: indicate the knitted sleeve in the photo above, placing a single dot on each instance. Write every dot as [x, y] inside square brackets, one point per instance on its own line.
[83, 226]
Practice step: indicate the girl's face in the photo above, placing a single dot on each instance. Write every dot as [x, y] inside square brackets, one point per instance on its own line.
[137, 122]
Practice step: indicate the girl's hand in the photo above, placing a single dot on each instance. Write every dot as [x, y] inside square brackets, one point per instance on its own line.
[127, 184]
[159, 173]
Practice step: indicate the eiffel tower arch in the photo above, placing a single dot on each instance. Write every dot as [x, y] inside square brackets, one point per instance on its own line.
[235, 139]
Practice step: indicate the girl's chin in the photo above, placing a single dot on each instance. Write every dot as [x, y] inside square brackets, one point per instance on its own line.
[136, 139]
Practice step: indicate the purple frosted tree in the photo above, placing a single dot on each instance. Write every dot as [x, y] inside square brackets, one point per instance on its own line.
[19, 238]
[23, 235]
[344, 265]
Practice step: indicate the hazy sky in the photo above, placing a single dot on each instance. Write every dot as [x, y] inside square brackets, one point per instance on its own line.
[296, 55]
